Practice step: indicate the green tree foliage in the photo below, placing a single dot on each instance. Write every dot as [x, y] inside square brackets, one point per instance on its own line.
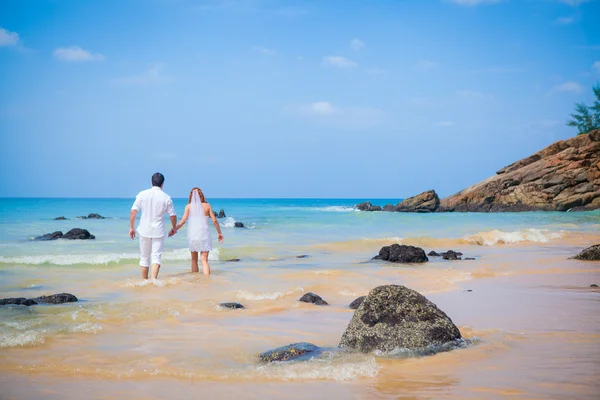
[586, 118]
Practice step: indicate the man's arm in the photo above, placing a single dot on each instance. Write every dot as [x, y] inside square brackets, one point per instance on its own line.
[132, 216]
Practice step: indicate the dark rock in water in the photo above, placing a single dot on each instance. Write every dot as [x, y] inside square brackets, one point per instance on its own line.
[357, 302]
[593, 285]
[221, 214]
[81, 217]
[289, 352]
[389, 208]
[50, 236]
[22, 301]
[302, 256]
[469, 258]
[239, 225]
[60, 219]
[78, 234]
[590, 254]
[402, 254]
[231, 305]
[234, 260]
[314, 299]
[422, 203]
[395, 317]
[57, 298]
[434, 254]
[469, 290]
[367, 206]
[95, 216]
[451, 255]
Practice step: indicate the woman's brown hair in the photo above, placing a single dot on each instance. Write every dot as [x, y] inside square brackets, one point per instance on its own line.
[202, 198]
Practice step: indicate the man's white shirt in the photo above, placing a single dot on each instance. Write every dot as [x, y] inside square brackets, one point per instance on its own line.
[154, 204]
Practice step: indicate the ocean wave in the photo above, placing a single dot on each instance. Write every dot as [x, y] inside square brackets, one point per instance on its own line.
[494, 237]
[245, 295]
[98, 259]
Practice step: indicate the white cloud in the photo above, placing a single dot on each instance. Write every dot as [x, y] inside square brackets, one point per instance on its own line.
[339, 62]
[473, 2]
[76, 54]
[469, 94]
[596, 66]
[334, 116]
[265, 50]
[425, 65]
[357, 44]
[572, 87]
[150, 77]
[8, 38]
[445, 123]
[565, 20]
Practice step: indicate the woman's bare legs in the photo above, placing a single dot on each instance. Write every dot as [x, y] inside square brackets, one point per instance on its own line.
[195, 261]
[205, 265]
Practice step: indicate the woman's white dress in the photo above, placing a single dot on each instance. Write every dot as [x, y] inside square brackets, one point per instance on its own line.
[199, 238]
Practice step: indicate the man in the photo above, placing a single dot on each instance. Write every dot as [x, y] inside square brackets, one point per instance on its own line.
[154, 204]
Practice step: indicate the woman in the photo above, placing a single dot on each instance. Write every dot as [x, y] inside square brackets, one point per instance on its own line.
[199, 239]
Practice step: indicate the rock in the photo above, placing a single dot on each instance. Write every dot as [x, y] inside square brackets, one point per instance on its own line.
[60, 219]
[239, 225]
[289, 352]
[357, 302]
[402, 254]
[231, 305]
[57, 298]
[451, 255]
[367, 206]
[389, 208]
[50, 236]
[302, 256]
[221, 214]
[78, 234]
[422, 203]
[95, 216]
[392, 317]
[593, 285]
[22, 301]
[81, 217]
[469, 258]
[590, 254]
[434, 254]
[314, 299]
[234, 260]
[563, 176]
[468, 290]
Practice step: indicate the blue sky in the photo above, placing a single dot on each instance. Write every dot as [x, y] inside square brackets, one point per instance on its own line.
[264, 98]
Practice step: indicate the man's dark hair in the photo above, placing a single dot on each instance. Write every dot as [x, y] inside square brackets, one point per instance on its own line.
[158, 179]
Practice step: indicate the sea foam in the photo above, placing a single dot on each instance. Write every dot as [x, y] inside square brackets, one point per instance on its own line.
[494, 237]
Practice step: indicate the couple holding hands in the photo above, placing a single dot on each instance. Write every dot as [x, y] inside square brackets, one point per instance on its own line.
[154, 204]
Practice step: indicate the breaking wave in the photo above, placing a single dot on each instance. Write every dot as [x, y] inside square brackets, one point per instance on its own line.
[494, 237]
[245, 295]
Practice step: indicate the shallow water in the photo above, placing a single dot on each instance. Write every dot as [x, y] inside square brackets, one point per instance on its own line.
[529, 305]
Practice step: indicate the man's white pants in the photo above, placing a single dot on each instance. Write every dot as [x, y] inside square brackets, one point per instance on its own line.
[151, 250]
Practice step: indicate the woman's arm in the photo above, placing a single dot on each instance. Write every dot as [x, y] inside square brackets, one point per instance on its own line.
[186, 213]
[211, 214]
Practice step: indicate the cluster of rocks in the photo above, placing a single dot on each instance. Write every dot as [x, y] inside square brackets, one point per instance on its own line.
[399, 253]
[221, 214]
[52, 299]
[425, 202]
[390, 317]
[73, 234]
[89, 216]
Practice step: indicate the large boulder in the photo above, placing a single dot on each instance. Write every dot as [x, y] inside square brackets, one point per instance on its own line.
[400, 253]
[589, 254]
[289, 352]
[422, 203]
[78, 234]
[395, 317]
[367, 206]
[563, 176]
[56, 298]
[49, 236]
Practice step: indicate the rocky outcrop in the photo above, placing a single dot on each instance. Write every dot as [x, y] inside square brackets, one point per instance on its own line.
[563, 176]
[78, 234]
[231, 306]
[402, 254]
[314, 299]
[590, 254]
[289, 352]
[60, 219]
[395, 317]
[49, 236]
[357, 302]
[95, 216]
[422, 203]
[52, 299]
[238, 225]
[367, 206]
[221, 214]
